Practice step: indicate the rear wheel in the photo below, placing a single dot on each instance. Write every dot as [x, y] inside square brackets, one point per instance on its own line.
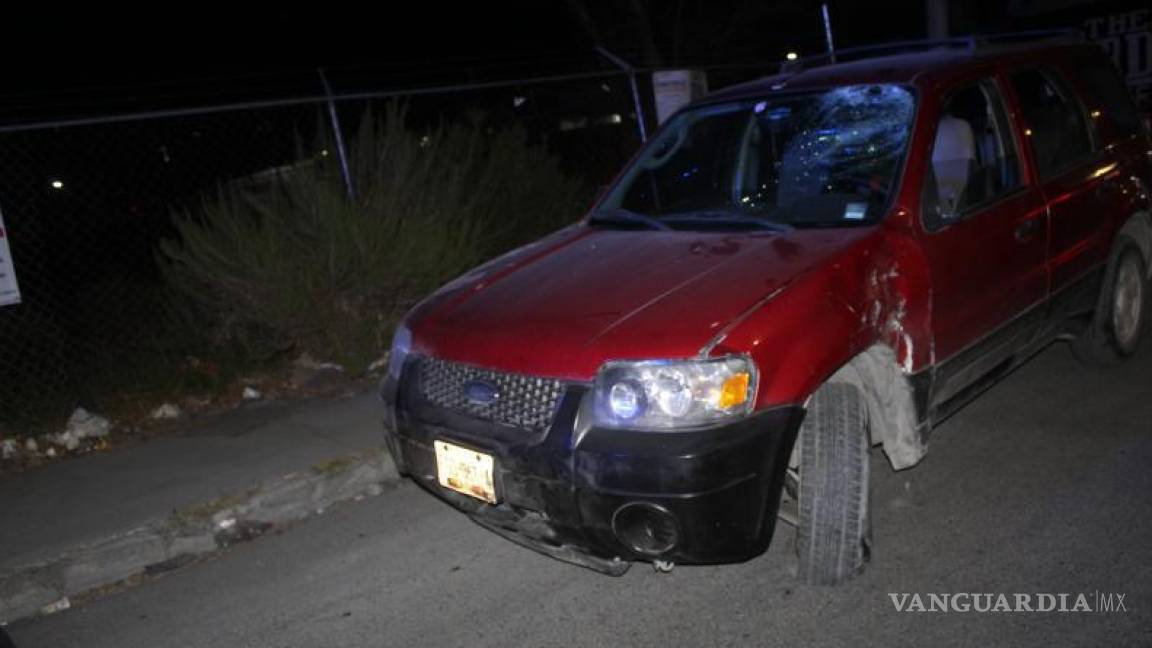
[1121, 312]
[833, 526]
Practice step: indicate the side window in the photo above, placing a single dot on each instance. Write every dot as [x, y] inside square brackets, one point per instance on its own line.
[974, 159]
[1109, 100]
[1056, 127]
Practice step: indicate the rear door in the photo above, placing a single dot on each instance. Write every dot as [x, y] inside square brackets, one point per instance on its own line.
[985, 238]
[1079, 179]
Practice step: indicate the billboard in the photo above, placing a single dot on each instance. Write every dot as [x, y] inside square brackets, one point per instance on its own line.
[1127, 37]
[1123, 28]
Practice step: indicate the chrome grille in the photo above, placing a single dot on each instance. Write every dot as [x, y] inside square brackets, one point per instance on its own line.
[525, 402]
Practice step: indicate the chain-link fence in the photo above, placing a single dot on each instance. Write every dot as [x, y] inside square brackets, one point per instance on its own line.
[85, 203]
[84, 207]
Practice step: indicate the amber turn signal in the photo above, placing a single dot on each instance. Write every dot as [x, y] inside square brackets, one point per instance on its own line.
[733, 391]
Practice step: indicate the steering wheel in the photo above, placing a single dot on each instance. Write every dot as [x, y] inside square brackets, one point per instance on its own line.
[857, 182]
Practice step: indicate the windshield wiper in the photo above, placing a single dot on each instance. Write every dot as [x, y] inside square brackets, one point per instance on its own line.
[624, 216]
[712, 218]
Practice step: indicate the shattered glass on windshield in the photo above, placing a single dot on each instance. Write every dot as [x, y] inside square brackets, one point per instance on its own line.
[805, 159]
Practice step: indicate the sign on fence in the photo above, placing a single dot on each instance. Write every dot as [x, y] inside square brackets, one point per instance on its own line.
[675, 88]
[9, 290]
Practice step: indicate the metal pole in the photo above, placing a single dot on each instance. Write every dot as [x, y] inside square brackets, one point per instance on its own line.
[631, 72]
[936, 14]
[828, 32]
[338, 136]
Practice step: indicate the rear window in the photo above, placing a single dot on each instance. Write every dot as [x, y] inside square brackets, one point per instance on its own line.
[1108, 99]
[1056, 126]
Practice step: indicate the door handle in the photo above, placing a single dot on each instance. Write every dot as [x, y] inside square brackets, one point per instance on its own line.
[1025, 229]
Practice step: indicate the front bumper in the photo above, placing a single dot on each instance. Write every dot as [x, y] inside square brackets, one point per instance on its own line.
[600, 497]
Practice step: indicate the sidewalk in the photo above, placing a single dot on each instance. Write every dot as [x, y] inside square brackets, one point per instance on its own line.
[92, 521]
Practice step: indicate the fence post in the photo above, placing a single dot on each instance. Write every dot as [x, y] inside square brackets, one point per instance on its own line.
[631, 72]
[338, 136]
[828, 32]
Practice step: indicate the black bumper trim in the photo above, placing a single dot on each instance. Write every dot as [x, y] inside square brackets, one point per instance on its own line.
[564, 552]
[559, 490]
[701, 493]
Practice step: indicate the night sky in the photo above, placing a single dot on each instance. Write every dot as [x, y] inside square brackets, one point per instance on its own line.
[112, 59]
[94, 60]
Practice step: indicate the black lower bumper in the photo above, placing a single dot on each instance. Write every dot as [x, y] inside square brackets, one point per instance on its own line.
[599, 497]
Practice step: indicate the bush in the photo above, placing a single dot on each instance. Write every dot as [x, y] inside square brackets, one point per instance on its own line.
[285, 261]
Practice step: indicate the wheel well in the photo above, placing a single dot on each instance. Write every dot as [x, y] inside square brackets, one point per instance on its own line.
[888, 392]
[1138, 228]
[891, 404]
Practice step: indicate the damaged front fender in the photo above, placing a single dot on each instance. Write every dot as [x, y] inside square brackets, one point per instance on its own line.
[868, 325]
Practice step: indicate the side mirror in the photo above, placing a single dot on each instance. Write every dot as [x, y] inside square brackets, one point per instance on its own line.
[946, 215]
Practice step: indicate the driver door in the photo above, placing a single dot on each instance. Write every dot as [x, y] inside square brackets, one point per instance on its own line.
[985, 239]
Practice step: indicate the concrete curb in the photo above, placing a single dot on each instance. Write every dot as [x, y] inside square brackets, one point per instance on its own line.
[191, 531]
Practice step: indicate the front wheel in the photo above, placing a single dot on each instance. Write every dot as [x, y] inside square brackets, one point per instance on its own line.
[834, 531]
[1121, 312]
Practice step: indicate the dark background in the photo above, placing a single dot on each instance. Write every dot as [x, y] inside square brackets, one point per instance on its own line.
[101, 58]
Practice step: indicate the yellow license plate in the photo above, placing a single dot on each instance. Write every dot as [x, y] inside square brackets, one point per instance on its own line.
[465, 471]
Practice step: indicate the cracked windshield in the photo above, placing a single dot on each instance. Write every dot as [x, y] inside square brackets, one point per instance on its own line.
[813, 159]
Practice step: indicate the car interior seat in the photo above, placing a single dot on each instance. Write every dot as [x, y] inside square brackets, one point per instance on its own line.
[953, 156]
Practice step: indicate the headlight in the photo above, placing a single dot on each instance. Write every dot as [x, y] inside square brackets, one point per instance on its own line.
[401, 346]
[673, 394]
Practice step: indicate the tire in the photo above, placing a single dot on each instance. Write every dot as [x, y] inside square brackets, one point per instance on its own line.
[1121, 314]
[834, 530]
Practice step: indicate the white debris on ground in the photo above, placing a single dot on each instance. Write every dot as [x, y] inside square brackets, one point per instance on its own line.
[306, 361]
[379, 364]
[86, 431]
[312, 375]
[196, 403]
[68, 439]
[58, 606]
[167, 412]
[81, 425]
[85, 425]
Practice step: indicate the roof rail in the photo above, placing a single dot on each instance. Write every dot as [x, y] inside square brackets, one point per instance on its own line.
[971, 44]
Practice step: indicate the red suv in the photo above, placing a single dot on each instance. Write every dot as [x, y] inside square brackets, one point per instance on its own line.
[790, 272]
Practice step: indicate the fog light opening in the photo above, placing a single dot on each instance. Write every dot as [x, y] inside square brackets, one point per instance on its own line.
[647, 529]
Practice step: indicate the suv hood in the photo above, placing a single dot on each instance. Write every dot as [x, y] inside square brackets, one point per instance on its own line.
[563, 306]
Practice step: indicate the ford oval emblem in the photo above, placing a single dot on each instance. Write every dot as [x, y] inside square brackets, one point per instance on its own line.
[480, 392]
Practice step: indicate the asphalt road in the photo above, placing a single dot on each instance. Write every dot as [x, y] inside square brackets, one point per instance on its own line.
[1042, 486]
